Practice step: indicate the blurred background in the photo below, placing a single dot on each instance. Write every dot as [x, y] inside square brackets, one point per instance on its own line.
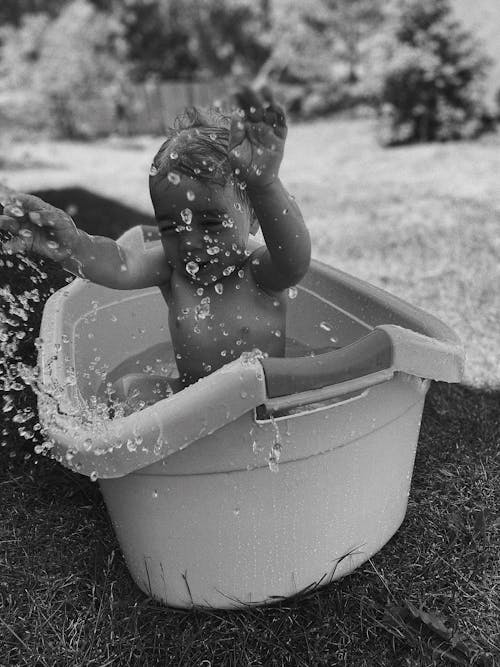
[81, 69]
[393, 156]
[393, 110]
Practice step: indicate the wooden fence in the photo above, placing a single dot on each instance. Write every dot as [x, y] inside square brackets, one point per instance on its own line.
[152, 107]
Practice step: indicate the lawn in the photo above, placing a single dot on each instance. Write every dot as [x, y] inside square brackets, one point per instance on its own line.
[422, 222]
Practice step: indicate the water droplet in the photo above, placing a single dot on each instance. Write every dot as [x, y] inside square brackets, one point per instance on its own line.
[93, 476]
[292, 292]
[213, 250]
[187, 216]
[325, 326]
[190, 195]
[219, 288]
[192, 268]
[153, 170]
[174, 178]
[228, 270]
[174, 155]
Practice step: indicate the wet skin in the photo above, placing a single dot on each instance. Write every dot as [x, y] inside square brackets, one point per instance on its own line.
[218, 312]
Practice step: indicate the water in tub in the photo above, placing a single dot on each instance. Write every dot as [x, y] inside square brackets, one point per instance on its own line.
[158, 360]
[17, 374]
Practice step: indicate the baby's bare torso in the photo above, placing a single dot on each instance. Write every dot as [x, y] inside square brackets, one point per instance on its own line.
[212, 325]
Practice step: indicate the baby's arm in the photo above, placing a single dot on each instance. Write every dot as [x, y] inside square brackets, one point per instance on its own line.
[36, 226]
[256, 145]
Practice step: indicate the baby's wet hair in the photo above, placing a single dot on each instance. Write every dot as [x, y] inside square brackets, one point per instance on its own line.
[198, 146]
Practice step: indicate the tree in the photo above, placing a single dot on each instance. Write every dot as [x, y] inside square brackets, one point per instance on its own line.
[232, 36]
[81, 58]
[433, 84]
[12, 12]
[159, 38]
[64, 69]
[345, 26]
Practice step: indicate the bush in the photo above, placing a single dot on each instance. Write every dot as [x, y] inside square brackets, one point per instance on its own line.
[63, 74]
[433, 85]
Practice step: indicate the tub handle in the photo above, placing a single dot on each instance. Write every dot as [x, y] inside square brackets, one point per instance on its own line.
[374, 358]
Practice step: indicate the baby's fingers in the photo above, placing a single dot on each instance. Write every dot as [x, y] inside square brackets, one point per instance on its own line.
[237, 131]
[251, 103]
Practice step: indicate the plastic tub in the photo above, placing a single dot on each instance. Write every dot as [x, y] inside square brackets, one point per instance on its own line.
[202, 516]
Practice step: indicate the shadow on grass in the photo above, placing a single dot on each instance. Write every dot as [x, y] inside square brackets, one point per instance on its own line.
[94, 213]
[66, 590]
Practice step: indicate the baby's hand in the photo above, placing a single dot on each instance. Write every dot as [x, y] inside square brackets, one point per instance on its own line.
[257, 138]
[35, 226]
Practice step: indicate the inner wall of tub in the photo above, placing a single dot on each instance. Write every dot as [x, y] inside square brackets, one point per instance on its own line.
[131, 334]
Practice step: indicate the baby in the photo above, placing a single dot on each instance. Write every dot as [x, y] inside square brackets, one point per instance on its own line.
[212, 182]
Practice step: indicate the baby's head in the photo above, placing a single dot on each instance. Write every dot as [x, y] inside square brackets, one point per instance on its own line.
[195, 192]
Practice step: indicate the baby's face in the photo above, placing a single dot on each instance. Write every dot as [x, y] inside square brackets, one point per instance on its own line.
[204, 228]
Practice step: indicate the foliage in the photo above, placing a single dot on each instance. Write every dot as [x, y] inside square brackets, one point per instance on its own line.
[12, 12]
[320, 53]
[433, 79]
[159, 38]
[346, 27]
[68, 67]
[239, 40]
[179, 40]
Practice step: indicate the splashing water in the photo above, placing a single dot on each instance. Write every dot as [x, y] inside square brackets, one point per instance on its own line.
[275, 453]
[18, 372]
[16, 332]
[202, 311]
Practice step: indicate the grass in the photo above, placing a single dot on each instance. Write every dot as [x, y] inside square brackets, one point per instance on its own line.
[421, 222]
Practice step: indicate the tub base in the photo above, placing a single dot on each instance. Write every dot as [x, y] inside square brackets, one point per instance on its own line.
[247, 537]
